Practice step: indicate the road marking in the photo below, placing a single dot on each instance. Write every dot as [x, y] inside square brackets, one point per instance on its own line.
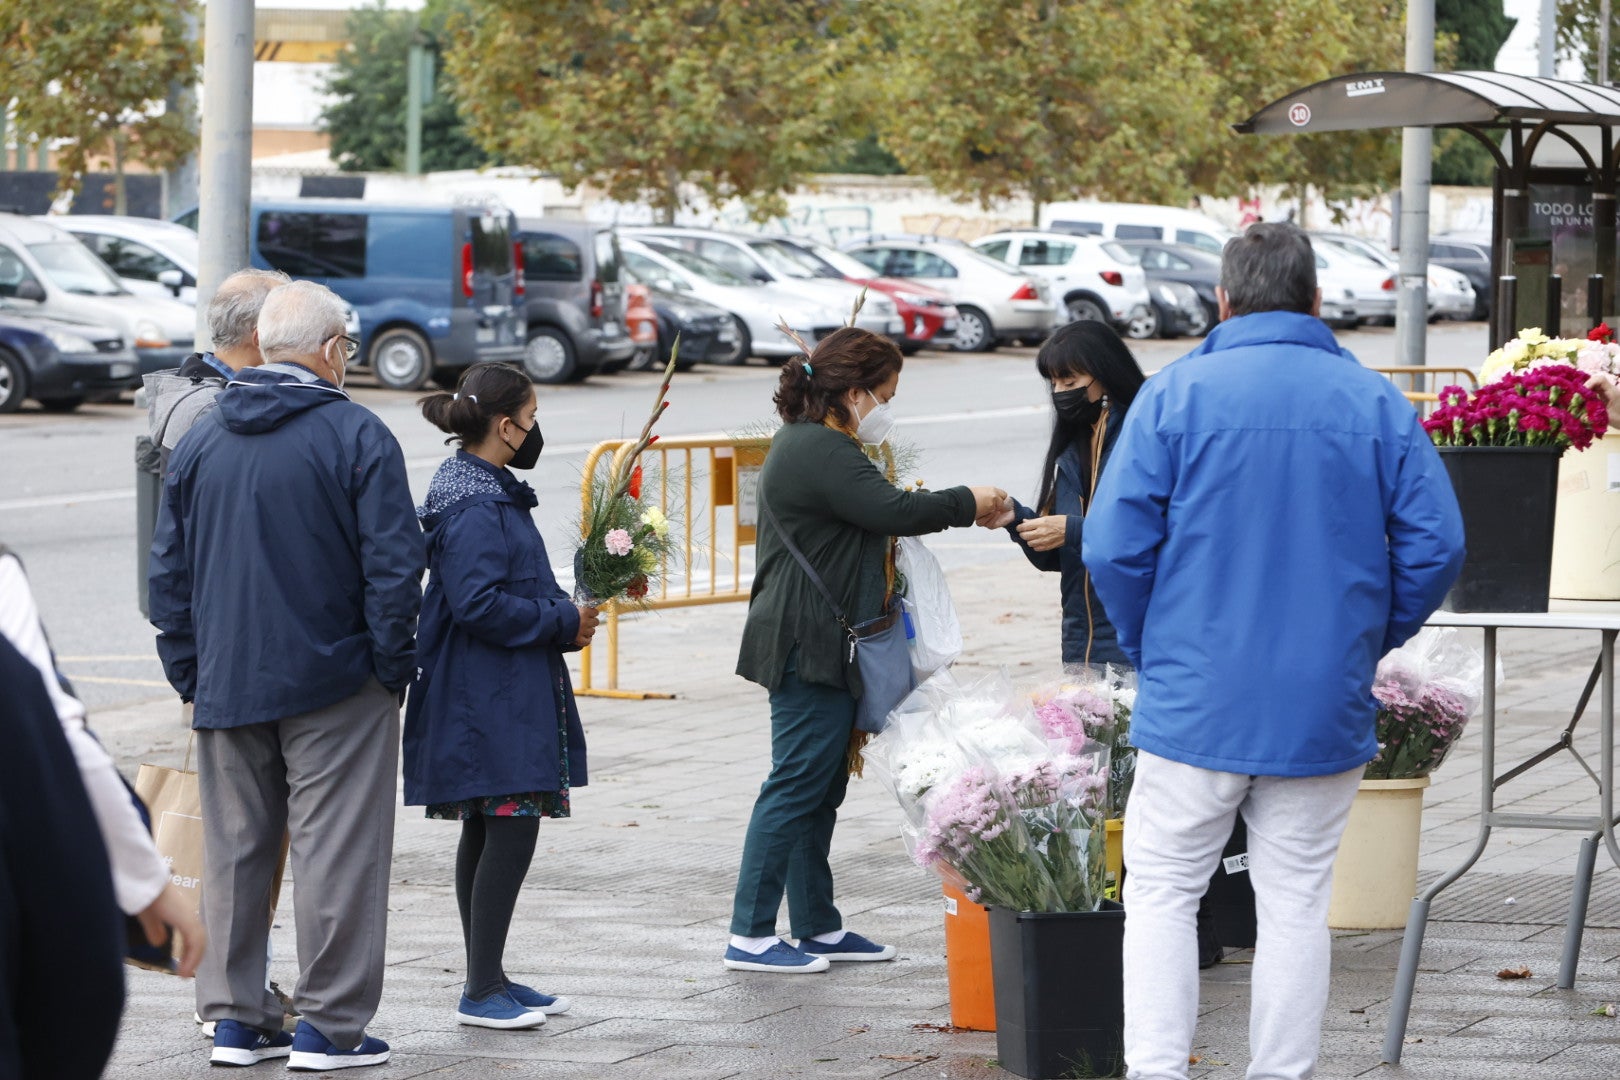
[121, 682]
[42, 502]
[110, 658]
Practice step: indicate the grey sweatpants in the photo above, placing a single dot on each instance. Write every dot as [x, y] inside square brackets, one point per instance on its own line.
[328, 778]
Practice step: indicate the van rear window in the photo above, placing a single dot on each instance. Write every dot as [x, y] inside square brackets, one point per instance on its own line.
[1078, 228]
[492, 244]
[549, 257]
[306, 245]
[607, 257]
[1138, 232]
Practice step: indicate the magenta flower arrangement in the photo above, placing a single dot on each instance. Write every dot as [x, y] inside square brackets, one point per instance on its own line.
[1549, 406]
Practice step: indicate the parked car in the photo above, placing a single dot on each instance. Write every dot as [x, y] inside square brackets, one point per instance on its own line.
[1185, 265]
[994, 302]
[1089, 280]
[1472, 259]
[1136, 221]
[574, 301]
[60, 364]
[706, 330]
[1449, 294]
[927, 314]
[774, 262]
[55, 276]
[754, 307]
[150, 257]
[1355, 289]
[436, 288]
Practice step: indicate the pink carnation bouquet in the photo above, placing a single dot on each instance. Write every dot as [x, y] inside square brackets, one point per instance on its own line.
[1425, 691]
[1094, 705]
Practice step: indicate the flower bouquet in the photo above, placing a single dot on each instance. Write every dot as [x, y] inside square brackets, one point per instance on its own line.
[1425, 691]
[1533, 392]
[1009, 816]
[1088, 705]
[626, 545]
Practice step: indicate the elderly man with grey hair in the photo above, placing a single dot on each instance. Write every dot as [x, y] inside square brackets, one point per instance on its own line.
[285, 581]
[1273, 522]
[176, 399]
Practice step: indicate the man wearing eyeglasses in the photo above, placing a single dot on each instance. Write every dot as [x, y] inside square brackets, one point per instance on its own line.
[285, 581]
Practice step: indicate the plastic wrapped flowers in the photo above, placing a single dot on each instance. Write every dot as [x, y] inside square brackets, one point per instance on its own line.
[999, 808]
[1094, 704]
[1425, 691]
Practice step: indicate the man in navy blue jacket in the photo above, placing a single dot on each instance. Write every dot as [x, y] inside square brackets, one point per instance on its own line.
[285, 580]
[1273, 522]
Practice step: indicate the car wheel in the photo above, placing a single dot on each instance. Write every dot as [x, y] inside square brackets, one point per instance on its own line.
[13, 382]
[60, 404]
[549, 357]
[1083, 309]
[401, 359]
[738, 354]
[974, 331]
[1199, 322]
[1144, 325]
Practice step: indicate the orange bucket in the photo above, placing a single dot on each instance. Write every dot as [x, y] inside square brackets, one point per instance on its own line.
[967, 963]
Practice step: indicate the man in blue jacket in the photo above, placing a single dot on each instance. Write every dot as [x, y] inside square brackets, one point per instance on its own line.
[1274, 521]
[285, 581]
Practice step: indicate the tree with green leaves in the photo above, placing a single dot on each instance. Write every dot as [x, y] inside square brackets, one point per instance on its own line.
[366, 120]
[1477, 30]
[92, 78]
[1578, 25]
[650, 99]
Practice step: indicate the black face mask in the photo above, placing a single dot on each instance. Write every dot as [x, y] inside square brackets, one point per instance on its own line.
[1074, 407]
[527, 452]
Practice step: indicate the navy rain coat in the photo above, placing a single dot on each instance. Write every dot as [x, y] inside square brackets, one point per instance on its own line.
[482, 719]
[1084, 620]
[286, 564]
[1274, 522]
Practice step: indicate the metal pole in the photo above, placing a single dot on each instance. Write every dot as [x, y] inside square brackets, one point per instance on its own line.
[1417, 145]
[1603, 44]
[413, 108]
[1547, 59]
[1594, 299]
[225, 156]
[1555, 305]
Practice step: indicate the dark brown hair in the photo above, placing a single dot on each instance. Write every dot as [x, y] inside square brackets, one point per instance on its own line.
[846, 359]
[483, 393]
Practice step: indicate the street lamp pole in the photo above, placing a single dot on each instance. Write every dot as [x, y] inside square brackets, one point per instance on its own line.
[1417, 146]
[225, 155]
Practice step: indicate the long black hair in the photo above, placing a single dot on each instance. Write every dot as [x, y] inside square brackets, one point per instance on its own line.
[1091, 348]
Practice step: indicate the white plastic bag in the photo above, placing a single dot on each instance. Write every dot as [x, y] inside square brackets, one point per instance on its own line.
[932, 630]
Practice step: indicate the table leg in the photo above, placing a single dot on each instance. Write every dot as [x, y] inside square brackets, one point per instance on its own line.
[1578, 900]
[1606, 751]
[1417, 921]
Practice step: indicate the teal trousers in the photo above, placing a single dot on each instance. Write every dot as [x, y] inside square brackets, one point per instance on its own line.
[790, 832]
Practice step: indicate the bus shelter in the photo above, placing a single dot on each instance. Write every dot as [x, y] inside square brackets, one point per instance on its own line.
[1553, 225]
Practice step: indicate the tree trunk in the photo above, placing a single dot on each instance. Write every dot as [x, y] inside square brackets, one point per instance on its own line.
[120, 196]
[672, 197]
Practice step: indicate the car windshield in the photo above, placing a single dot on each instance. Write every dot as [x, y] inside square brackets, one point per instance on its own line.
[72, 268]
[703, 268]
[844, 265]
[790, 261]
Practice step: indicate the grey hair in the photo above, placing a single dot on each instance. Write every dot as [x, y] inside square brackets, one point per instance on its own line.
[297, 319]
[1271, 267]
[234, 311]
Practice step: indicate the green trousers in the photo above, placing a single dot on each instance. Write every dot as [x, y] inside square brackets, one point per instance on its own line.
[790, 832]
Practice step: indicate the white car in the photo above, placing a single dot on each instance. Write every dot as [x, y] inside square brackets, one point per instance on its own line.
[754, 306]
[774, 262]
[994, 302]
[1450, 294]
[1355, 289]
[150, 257]
[1088, 281]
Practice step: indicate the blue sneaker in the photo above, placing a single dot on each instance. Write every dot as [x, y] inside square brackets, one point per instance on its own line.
[237, 1044]
[535, 1001]
[781, 958]
[497, 1011]
[851, 947]
[314, 1052]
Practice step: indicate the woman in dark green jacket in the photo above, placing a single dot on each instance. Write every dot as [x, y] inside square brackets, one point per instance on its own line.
[842, 514]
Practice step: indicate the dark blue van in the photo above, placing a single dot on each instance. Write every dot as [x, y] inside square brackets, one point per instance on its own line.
[437, 288]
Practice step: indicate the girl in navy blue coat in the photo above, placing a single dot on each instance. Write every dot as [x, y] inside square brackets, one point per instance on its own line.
[492, 737]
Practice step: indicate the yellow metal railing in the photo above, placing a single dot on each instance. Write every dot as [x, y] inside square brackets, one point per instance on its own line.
[1417, 386]
[711, 479]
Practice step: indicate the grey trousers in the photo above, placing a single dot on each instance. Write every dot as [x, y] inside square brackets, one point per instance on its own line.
[329, 779]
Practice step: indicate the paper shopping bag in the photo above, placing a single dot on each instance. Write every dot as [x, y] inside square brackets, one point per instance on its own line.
[172, 798]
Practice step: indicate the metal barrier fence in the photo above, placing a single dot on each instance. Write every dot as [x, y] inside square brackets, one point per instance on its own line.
[691, 479]
[1419, 390]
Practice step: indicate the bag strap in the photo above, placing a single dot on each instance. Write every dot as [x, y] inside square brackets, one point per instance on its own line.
[810, 571]
[163, 428]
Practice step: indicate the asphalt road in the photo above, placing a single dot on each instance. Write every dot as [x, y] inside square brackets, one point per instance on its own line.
[67, 500]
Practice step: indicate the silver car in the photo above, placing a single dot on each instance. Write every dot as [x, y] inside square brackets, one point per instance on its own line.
[754, 306]
[775, 262]
[995, 303]
[151, 258]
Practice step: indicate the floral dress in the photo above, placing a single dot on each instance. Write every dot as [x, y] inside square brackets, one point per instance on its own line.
[551, 804]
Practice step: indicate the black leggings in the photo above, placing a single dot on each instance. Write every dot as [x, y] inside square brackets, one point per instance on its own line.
[491, 863]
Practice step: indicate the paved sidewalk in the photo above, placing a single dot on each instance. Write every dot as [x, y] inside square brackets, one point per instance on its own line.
[628, 903]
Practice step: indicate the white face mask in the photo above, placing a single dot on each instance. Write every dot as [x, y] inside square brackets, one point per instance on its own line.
[876, 425]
